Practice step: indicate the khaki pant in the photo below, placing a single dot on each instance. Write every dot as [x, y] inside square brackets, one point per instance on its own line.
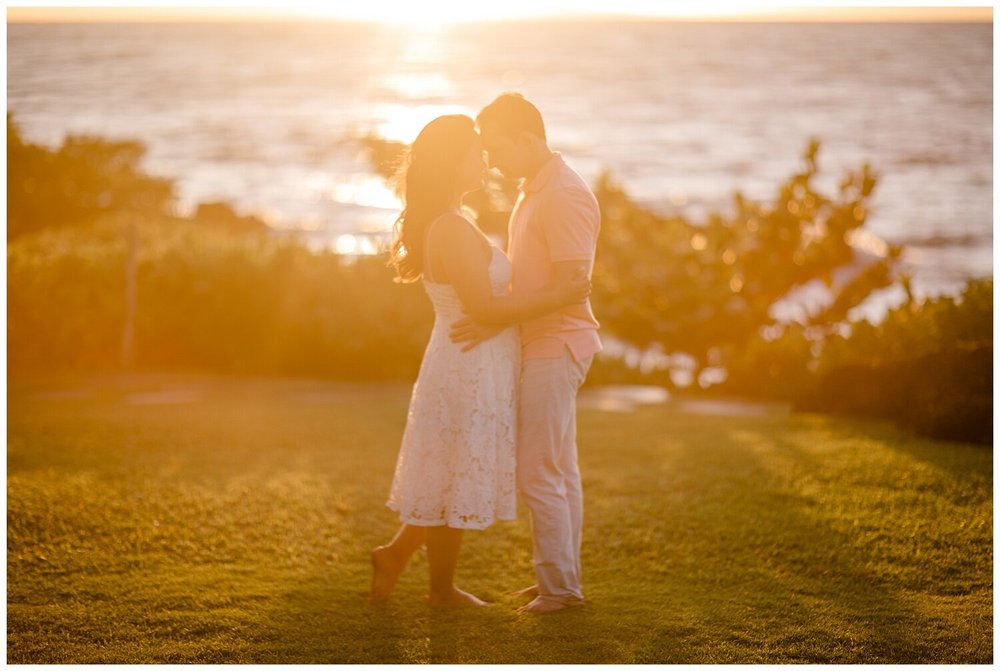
[548, 476]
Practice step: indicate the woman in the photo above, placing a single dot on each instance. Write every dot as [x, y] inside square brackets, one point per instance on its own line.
[455, 469]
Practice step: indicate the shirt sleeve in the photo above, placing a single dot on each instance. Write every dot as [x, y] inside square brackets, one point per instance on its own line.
[571, 221]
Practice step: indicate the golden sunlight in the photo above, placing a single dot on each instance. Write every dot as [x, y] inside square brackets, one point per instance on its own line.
[444, 12]
[438, 13]
[413, 14]
[401, 123]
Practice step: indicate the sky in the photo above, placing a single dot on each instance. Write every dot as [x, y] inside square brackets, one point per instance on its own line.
[446, 11]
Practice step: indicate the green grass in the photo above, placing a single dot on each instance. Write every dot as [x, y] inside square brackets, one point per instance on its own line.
[237, 529]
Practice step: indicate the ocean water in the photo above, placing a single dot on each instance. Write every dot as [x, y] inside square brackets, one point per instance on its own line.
[270, 117]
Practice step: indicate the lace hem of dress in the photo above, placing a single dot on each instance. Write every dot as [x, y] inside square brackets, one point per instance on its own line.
[472, 522]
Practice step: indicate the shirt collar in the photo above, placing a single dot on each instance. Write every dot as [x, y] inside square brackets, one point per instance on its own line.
[544, 175]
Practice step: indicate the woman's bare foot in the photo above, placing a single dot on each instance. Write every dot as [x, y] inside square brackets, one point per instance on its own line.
[527, 592]
[454, 599]
[385, 572]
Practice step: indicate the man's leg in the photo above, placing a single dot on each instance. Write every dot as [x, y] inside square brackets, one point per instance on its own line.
[545, 407]
[569, 464]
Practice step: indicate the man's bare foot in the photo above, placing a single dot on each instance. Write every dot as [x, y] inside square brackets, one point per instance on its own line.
[454, 599]
[527, 592]
[385, 573]
[540, 606]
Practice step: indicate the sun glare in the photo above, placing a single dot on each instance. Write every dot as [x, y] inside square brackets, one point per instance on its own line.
[424, 14]
[429, 13]
[401, 123]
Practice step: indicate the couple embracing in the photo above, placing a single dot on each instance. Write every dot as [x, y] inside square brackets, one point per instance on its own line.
[493, 411]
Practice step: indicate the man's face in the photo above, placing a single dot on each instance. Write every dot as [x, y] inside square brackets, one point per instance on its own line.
[504, 152]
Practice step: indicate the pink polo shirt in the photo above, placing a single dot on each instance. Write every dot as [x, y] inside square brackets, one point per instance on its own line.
[556, 218]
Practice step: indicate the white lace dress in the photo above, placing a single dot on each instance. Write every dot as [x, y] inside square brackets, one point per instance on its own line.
[456, 461]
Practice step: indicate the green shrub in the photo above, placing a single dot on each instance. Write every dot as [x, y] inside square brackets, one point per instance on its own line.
[208, 299]
[85, 178]
[916, 328]
[947, 394]
[927, 365]
[777, 368]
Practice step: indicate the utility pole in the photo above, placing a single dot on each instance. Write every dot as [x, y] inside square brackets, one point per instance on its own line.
[131, 265]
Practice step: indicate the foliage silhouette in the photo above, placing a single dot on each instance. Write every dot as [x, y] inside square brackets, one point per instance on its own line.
[928, 366]
[218, 292]
[81, 180]
[707, 290]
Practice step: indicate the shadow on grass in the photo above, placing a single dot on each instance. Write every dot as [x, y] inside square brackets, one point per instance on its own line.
[772, 576]
[957, 460]
[318, 622]
[747, 541]
[323, 623]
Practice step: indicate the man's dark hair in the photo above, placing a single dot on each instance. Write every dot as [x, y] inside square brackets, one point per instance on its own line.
[510, 114]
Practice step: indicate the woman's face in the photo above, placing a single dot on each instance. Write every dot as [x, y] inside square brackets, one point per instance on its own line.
[472, 169]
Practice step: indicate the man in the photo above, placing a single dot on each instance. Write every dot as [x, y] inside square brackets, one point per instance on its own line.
[552, 234]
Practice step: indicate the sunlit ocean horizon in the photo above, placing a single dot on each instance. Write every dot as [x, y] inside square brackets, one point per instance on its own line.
[271, 118]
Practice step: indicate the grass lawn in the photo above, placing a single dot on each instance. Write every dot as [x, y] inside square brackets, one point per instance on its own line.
[234, 526]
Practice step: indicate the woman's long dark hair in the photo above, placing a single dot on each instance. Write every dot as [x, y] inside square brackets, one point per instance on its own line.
[428, 188]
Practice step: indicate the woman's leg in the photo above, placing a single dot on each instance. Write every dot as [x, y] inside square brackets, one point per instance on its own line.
[443, 544]
[388, 561]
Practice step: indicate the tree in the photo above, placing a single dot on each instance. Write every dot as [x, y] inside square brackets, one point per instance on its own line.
[77, 182]
[707, 290]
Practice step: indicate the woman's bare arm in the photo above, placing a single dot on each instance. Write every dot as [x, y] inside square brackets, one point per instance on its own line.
[460, 251]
